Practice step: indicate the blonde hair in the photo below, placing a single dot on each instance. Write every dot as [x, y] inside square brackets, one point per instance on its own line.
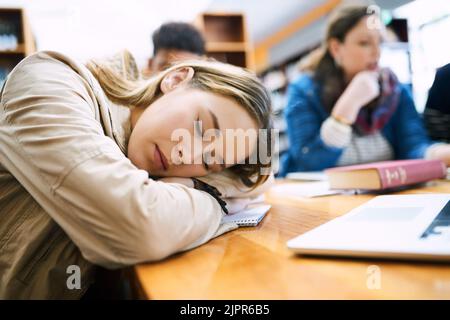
[212, 76]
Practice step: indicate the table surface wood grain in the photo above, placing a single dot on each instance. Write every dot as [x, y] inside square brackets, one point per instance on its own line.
[254, 263]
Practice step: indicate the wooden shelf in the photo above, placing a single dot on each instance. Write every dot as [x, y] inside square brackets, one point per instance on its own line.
[234, 58]
[13, 21]
[226, 38]
[19, 50]
[225, 28]
[225, 46]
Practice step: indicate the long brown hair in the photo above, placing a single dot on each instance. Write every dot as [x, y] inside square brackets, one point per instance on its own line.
[212, 76]
[320, 62]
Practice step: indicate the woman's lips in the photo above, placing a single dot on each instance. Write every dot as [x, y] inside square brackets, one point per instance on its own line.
[160, 159]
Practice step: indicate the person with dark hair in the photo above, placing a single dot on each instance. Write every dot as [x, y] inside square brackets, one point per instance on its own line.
[174, 42]
[437, 109]
[344, 109]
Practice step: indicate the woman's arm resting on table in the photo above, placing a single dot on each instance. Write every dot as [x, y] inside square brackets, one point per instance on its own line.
[235, 195]
[230, 186]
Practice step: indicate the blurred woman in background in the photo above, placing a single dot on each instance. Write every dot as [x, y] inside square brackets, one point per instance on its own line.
[345, 110]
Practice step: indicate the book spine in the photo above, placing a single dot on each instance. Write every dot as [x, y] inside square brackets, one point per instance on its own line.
[411, 174]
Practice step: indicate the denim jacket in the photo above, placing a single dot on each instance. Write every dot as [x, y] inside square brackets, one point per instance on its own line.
[305, 114]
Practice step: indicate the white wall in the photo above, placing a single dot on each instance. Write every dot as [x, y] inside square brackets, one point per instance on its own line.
[429, 27]
[264, 17]
[94, 28]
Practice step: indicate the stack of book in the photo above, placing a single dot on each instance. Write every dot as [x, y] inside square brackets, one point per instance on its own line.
[386, 174]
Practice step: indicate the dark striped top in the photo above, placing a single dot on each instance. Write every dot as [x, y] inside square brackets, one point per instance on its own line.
[437, 124]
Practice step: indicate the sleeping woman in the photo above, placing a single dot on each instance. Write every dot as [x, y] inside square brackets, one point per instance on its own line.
[82, 146]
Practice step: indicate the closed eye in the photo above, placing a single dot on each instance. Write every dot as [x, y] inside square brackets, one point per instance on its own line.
[198, 126]
[205, 163]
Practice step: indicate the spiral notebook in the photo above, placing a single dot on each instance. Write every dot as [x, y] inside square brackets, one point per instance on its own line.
[249, 217]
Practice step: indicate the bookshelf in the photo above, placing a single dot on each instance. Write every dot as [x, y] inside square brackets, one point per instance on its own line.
[16, 40]
[226, 38]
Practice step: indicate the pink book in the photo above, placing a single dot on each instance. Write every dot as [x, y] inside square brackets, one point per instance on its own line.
[386, 174]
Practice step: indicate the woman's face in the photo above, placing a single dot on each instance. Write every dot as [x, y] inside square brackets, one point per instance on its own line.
[360, 49]
[167, 136]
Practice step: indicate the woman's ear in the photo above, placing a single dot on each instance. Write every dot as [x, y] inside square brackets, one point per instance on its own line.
[334, 45]
[176, 78]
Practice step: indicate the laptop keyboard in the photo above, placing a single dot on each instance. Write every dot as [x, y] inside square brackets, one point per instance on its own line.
[440, 222]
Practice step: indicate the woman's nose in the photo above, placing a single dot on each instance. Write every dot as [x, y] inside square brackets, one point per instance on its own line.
[197, 155]
[192, 154]
[181, 154]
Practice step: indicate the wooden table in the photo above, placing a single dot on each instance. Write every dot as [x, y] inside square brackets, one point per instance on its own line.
[254, 263]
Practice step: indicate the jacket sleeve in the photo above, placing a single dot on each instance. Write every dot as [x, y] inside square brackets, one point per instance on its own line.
[52, 143]
[307, 151]
[410, 138]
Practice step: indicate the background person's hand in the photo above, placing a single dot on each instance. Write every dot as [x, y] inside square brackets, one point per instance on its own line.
[440, 151]
[363, 88]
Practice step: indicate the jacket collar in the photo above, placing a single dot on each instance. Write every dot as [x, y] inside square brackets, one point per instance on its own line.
[121, 125]
[115, 118]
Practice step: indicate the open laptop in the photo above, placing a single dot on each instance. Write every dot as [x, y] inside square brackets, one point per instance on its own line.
[392, 226]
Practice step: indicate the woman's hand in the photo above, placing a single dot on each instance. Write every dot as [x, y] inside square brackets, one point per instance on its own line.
[363, 88]
[440, 152]
[199, 185]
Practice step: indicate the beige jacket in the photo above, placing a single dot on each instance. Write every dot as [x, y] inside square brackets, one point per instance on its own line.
[68, 194]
